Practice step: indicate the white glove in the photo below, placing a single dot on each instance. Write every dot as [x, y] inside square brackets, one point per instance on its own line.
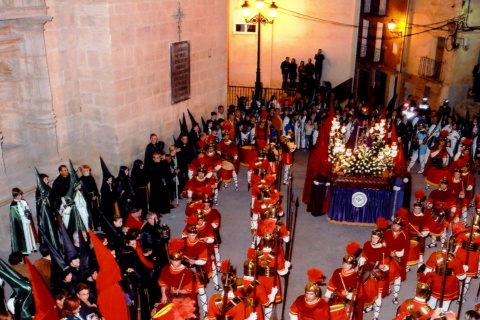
[327, 184]
[316, 183]
[469, 188]
[350, 296]
[272, 295]
[396, 188]
[253, 316]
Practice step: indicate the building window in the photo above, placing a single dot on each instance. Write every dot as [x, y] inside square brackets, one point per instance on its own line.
[241, 27]
[363, 45]
[367, 6]
[378, 43]
[382, 7]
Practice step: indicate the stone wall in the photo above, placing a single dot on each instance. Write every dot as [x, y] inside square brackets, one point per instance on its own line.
[97, 82]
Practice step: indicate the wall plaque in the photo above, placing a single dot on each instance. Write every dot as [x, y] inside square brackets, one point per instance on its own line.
[180, 71]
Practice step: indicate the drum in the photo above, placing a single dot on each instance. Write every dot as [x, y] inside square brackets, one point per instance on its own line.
[247, 155]
[225, 173]
[413, 253]
[379, 275]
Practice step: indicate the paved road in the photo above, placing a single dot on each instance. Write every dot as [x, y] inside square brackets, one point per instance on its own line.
[318, 242]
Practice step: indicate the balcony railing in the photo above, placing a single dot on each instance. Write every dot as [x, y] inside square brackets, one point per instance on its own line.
[430, 68]
[235, 92]
[342, 91]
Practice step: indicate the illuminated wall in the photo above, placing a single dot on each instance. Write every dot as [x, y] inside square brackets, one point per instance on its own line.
[298, 33]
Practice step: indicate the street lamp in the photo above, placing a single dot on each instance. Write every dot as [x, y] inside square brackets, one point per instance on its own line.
[258, 19]
[391, 27]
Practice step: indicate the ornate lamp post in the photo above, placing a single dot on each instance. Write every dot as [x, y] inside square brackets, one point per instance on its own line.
[258, 19]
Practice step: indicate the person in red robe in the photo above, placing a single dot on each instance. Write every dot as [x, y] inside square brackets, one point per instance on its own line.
[437, 163]
[417, 308]
[134, 219]
[253, 293]
[176, 280]
[311, 306]
[228, 150]
[195, 257]
[343, 290]
[438, 263]
[398, 243]
[228, 304]
[440, 210]
[468, 244]
[376, 259]
[418, 230]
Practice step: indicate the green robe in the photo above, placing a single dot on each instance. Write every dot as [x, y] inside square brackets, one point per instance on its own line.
[19, 243]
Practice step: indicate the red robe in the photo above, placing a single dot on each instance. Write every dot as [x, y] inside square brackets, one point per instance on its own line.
[397, 242]
[451, 285]
[198, 250]
[197, 188]
[248, 293]
[435, 174]
[133, 223]
[215, 306]
[273, 262]
[173, 278]
[340, 281]
[316, 310]
[416, 223]
[412, 307]
[462, 241]
[439, 199]
[373, 288]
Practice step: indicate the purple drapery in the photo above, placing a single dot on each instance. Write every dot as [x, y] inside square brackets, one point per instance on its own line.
[342, 210]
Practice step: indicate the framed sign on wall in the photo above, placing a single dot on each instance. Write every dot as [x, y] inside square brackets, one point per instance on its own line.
[180, 71]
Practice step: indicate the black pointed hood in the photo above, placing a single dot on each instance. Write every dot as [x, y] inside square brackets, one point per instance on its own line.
[192, 119]
[106, 174]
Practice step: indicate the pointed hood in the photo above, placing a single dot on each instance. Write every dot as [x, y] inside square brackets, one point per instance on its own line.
[73, 174]
[192, 119]
[184, 127]
[105, 172]
[24, 303]
[45, 305]
[41, 185]
[84, 257]
[111, 300]
[46, 221]
[68, 247]
[174, 139]
[204, 124]
[58, 263]
[75, 222]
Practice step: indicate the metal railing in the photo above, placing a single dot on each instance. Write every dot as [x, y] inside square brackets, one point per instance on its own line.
[235, 92]
[342, 92]
[430, 68]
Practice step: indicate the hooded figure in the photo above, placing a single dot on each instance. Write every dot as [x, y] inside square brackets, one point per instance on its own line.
[107, 204]
[23, 303]
[21, 229]
[45, 216]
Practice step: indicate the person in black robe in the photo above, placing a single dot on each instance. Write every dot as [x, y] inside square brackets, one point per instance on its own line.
[159, 193]
[140, 179]
[154, 145]
[91, 193]
[107, 203]
[60, 187]
[123, 191]
[185, 154]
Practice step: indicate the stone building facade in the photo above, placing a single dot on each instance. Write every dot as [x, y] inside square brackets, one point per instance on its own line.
[89, 78]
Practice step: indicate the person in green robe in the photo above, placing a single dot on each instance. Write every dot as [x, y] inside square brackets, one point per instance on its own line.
[21, 231]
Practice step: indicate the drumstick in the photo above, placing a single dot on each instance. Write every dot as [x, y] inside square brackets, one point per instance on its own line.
[343, 283]
[180, 285]
[383, 259]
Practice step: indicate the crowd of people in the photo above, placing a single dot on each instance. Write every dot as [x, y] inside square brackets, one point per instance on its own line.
[160, 275]
[308, 74]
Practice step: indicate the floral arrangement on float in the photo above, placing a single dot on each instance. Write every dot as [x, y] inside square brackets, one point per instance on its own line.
[364, 154]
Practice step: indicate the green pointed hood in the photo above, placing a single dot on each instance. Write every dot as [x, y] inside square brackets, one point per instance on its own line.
[24, 303]
[40, 184]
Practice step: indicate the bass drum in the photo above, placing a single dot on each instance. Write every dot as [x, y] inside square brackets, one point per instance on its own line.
[247, 155]
[225, 174]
